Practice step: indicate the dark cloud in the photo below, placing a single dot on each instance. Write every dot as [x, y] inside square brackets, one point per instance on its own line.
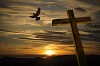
[91, 37]
[8, 26]
[4, 15]
[28, 38]
[94, 32]
[92, 2]
[43, 4]
[9, 31]
[93, 28]
[80, 9]
[3, 4]
[13, 13]
[10, 40]
[7, 3]
[96, 17]
[71, 46]
[26, 48]
[52, 36]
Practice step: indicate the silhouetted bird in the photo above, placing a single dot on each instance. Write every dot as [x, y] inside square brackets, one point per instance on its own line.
[35, 15]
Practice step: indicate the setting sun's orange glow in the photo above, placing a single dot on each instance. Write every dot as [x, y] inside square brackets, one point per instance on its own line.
[49, 52]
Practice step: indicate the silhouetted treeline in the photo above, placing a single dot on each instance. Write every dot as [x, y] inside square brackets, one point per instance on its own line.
[65, 60]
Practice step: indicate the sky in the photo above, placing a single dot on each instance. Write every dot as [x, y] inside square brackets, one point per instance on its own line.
[22, 35]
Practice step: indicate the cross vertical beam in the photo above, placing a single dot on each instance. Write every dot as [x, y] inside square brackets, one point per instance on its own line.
[77, 40]
[76, 36]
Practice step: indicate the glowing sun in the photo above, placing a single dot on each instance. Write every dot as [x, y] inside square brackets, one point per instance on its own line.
[49, 52]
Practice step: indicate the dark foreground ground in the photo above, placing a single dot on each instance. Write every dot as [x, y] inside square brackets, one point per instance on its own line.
[65, 60]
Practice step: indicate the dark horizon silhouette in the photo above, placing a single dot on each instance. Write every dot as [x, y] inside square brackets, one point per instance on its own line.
[63, 60]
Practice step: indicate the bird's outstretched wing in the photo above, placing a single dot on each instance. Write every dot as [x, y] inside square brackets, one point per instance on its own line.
[38, 12]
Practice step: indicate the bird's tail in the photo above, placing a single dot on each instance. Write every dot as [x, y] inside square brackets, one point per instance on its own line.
[37, 18]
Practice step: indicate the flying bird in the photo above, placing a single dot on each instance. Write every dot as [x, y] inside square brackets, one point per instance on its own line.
[35, 15]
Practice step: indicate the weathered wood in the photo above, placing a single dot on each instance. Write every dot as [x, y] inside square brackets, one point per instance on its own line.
[76, 36]
[77, 40]
[66, 21]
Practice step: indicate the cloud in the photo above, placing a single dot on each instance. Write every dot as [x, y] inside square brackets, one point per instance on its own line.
[21, 10]
[93, 2]
[8, 31]
[91, 37]
[95, 17]
[94, 32]
[26, 48]
[59, 49]
[58, 37]
[80, 9]
[92, 28]
[16, 28]
[56, 47]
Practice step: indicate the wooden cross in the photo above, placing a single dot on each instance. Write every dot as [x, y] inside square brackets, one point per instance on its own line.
[76, 36]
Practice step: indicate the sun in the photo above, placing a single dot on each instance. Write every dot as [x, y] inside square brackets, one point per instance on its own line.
[49, 52]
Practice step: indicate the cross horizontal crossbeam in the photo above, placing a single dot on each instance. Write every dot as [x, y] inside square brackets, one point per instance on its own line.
[66, 21]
